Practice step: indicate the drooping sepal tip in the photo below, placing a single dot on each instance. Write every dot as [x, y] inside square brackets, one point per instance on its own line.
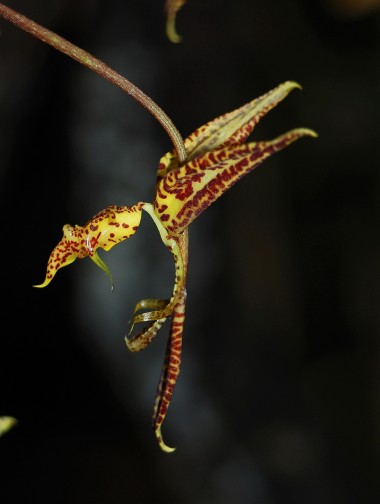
[164, 447]
[293, 84]
[308, 132]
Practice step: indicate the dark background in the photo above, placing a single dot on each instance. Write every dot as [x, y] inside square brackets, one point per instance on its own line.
[278, 397]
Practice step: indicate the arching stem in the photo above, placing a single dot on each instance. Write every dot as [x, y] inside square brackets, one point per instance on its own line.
[97, 66]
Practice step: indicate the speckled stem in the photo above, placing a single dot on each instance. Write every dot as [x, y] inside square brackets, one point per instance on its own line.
[101, 69]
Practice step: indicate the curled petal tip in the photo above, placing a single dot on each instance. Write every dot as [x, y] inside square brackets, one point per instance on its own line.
[308, 132]
[287, 86]
[295, 85]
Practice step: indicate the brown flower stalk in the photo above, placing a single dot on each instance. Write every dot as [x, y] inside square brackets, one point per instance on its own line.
[99, 67]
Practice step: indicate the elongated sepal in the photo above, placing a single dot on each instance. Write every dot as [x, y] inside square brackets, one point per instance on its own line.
[106, 229]
[170, 371]
[232, 128]
[183, 194]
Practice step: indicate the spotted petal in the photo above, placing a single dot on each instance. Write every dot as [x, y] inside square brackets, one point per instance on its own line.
[186, 192]
[232, 128]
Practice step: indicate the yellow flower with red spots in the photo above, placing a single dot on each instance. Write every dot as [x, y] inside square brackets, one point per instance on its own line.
[217, 157]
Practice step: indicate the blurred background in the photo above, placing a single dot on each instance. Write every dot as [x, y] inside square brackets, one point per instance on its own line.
[278, 397]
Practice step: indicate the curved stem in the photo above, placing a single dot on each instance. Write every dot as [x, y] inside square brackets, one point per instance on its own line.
[97, 66]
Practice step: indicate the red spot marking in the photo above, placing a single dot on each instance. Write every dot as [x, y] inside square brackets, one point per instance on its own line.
[168, 396]
[189, 170]
[93, 241]
[162, 208]
[161, 194]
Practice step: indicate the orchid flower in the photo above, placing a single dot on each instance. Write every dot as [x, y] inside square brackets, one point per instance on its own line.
[217, 157]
